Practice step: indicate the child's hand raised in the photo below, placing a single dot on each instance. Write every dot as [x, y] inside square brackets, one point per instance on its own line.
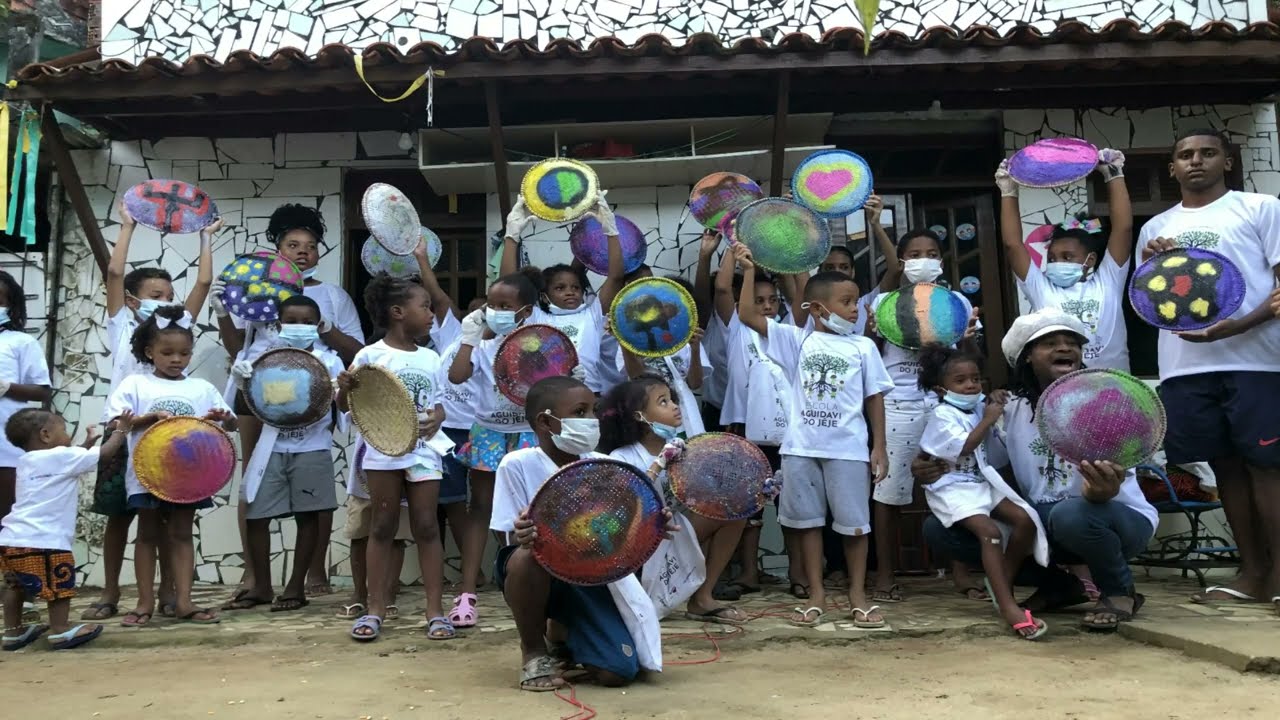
[91, 437]
[742, 255]
[971, 329]
[126, 219]
[709, 242]
[696, 339]
[526, 534]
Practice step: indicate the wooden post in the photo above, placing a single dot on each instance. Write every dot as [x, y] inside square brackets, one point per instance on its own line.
[780, 134]
[70, 178]
[499, 150]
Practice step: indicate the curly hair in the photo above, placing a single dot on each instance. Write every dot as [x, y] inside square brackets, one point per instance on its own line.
[292, 216]
[619, 426]
[934, 360]
[17, 302]
[148, 332]
[1095, 243]
[384, 291]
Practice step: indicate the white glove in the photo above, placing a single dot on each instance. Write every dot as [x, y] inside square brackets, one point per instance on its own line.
[242, 369]
[670, 453]
[473, 327]
[215, 298]
[1008, 186]
[604, 214]
[578, 373]
[4, 387]
[1111, 164]
[325, 326]
[518, 219]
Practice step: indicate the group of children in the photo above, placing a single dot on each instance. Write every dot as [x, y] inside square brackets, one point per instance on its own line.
[793, 362]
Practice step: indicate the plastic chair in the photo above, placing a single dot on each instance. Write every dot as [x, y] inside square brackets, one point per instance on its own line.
[1196, 549]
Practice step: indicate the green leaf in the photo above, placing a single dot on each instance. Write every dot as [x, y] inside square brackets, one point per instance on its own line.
[868, 10]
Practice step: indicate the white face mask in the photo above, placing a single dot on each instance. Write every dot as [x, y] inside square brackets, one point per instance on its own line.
[922, 270]
[557, 310]
[577, 436]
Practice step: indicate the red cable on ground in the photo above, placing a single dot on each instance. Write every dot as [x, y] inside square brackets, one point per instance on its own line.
[585, 711]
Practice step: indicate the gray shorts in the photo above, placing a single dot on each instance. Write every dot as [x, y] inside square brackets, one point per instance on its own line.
[295, 483]
[811, 485]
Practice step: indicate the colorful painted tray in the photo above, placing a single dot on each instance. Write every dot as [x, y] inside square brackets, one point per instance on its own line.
[720, 476]
[590, 246]
[560, 189]
[184, 459]
[832, 183]
[377, 259]
[391, 218]
[383, 410]
[1186, 289]
[597, 520]
[1099, 415]
[783, 236]
[289, 389]
[256, 284]
[529, 354]
[720, 195]
[653, 317]
[916, 315]
[1053, 162]
[170, 206]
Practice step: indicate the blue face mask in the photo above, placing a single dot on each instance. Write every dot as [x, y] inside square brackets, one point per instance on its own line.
[4, 316]
[557, 310]
[1064, 274]
[960, 401]
[662, 430]
[147, 307]
[500, 322]
[299, 336]
[310, 272]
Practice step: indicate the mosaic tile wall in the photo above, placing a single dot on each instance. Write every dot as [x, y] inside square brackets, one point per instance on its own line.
[174, 29]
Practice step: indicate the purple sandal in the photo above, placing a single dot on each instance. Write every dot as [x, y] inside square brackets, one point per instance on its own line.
[463, 614]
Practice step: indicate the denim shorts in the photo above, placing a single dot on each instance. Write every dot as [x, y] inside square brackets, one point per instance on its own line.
[453, 488]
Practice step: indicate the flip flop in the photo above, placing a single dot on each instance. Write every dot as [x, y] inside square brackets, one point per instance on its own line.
[972, 589]
[440, 625]
[744, 589]
[284, 604]
[191, 617]
[717, 616]
[367, 622]
[802, 593]
[892, 595]
[864, 623]
[240, 601]
[538, 668]
[805, 621]
[463, 614]
[351, 612]
[135, 619]
[1121, 615]
[314, 589]
[393, 613]
[72, 638]
[1041, 627]
[726, 592]
[28, 636]
[95, 611]
[1233, 595]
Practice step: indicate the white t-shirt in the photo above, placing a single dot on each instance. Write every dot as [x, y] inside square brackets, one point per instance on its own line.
[519, 477]
[1044, 477]
[945, 435]
[492, 409]
[318, 435]
[445, 333]
[607, 369]
[904, 365]
[143, 394]
[120, 329]
[637, 456]
[337, 307]
[44, 514]
[458, 400]
[423, 373]
[585, 329]
[830, 376]
[1098, 302]
[744, 350]
[715, 347]
[1245, 228]
[21, 363]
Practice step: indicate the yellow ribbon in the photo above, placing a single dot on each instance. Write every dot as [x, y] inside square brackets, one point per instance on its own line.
[417, 84]
[4, 161]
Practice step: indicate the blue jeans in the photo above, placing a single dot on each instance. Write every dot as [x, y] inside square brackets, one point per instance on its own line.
[1101, 535]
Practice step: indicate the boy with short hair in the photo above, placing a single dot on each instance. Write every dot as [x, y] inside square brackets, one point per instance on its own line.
[36, 537]
[611, 631]
[834, 373]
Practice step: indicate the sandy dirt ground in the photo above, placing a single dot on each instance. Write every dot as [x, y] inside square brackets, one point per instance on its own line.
[1093, 678]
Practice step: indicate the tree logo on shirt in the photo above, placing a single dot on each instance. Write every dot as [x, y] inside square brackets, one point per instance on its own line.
[419, 386]
[1086, 311]
[571, 331]
[173, 406]
[1201, 239]
[1053, 472]
[823, 375]
[658, 366]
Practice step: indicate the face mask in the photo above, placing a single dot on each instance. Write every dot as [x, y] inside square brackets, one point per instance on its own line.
[557, 310]
[961, 401]
[578, 436]
[838, 325]
[148, 306]
[299, 336]
[4, 316]
[922, 270]
[662, 430]
[1064, 274]
[500, 322]
[310, 272]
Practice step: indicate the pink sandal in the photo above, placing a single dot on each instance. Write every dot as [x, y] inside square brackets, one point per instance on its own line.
[463, 614]
[1041, 627]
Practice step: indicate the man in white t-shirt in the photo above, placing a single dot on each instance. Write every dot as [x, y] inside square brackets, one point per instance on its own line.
[1220, 384]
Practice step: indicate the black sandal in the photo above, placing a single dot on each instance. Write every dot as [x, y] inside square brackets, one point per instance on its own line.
[802, 593]
[1105, 606]
[1056, 597]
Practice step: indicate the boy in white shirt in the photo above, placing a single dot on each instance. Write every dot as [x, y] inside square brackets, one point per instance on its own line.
[36, 538]
[825, 460]
[611, 631]
[1220, 383]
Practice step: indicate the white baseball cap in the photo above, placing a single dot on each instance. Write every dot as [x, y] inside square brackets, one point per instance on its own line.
[1033, 326]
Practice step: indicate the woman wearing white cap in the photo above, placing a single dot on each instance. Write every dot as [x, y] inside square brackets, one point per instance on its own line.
[1095, 513]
